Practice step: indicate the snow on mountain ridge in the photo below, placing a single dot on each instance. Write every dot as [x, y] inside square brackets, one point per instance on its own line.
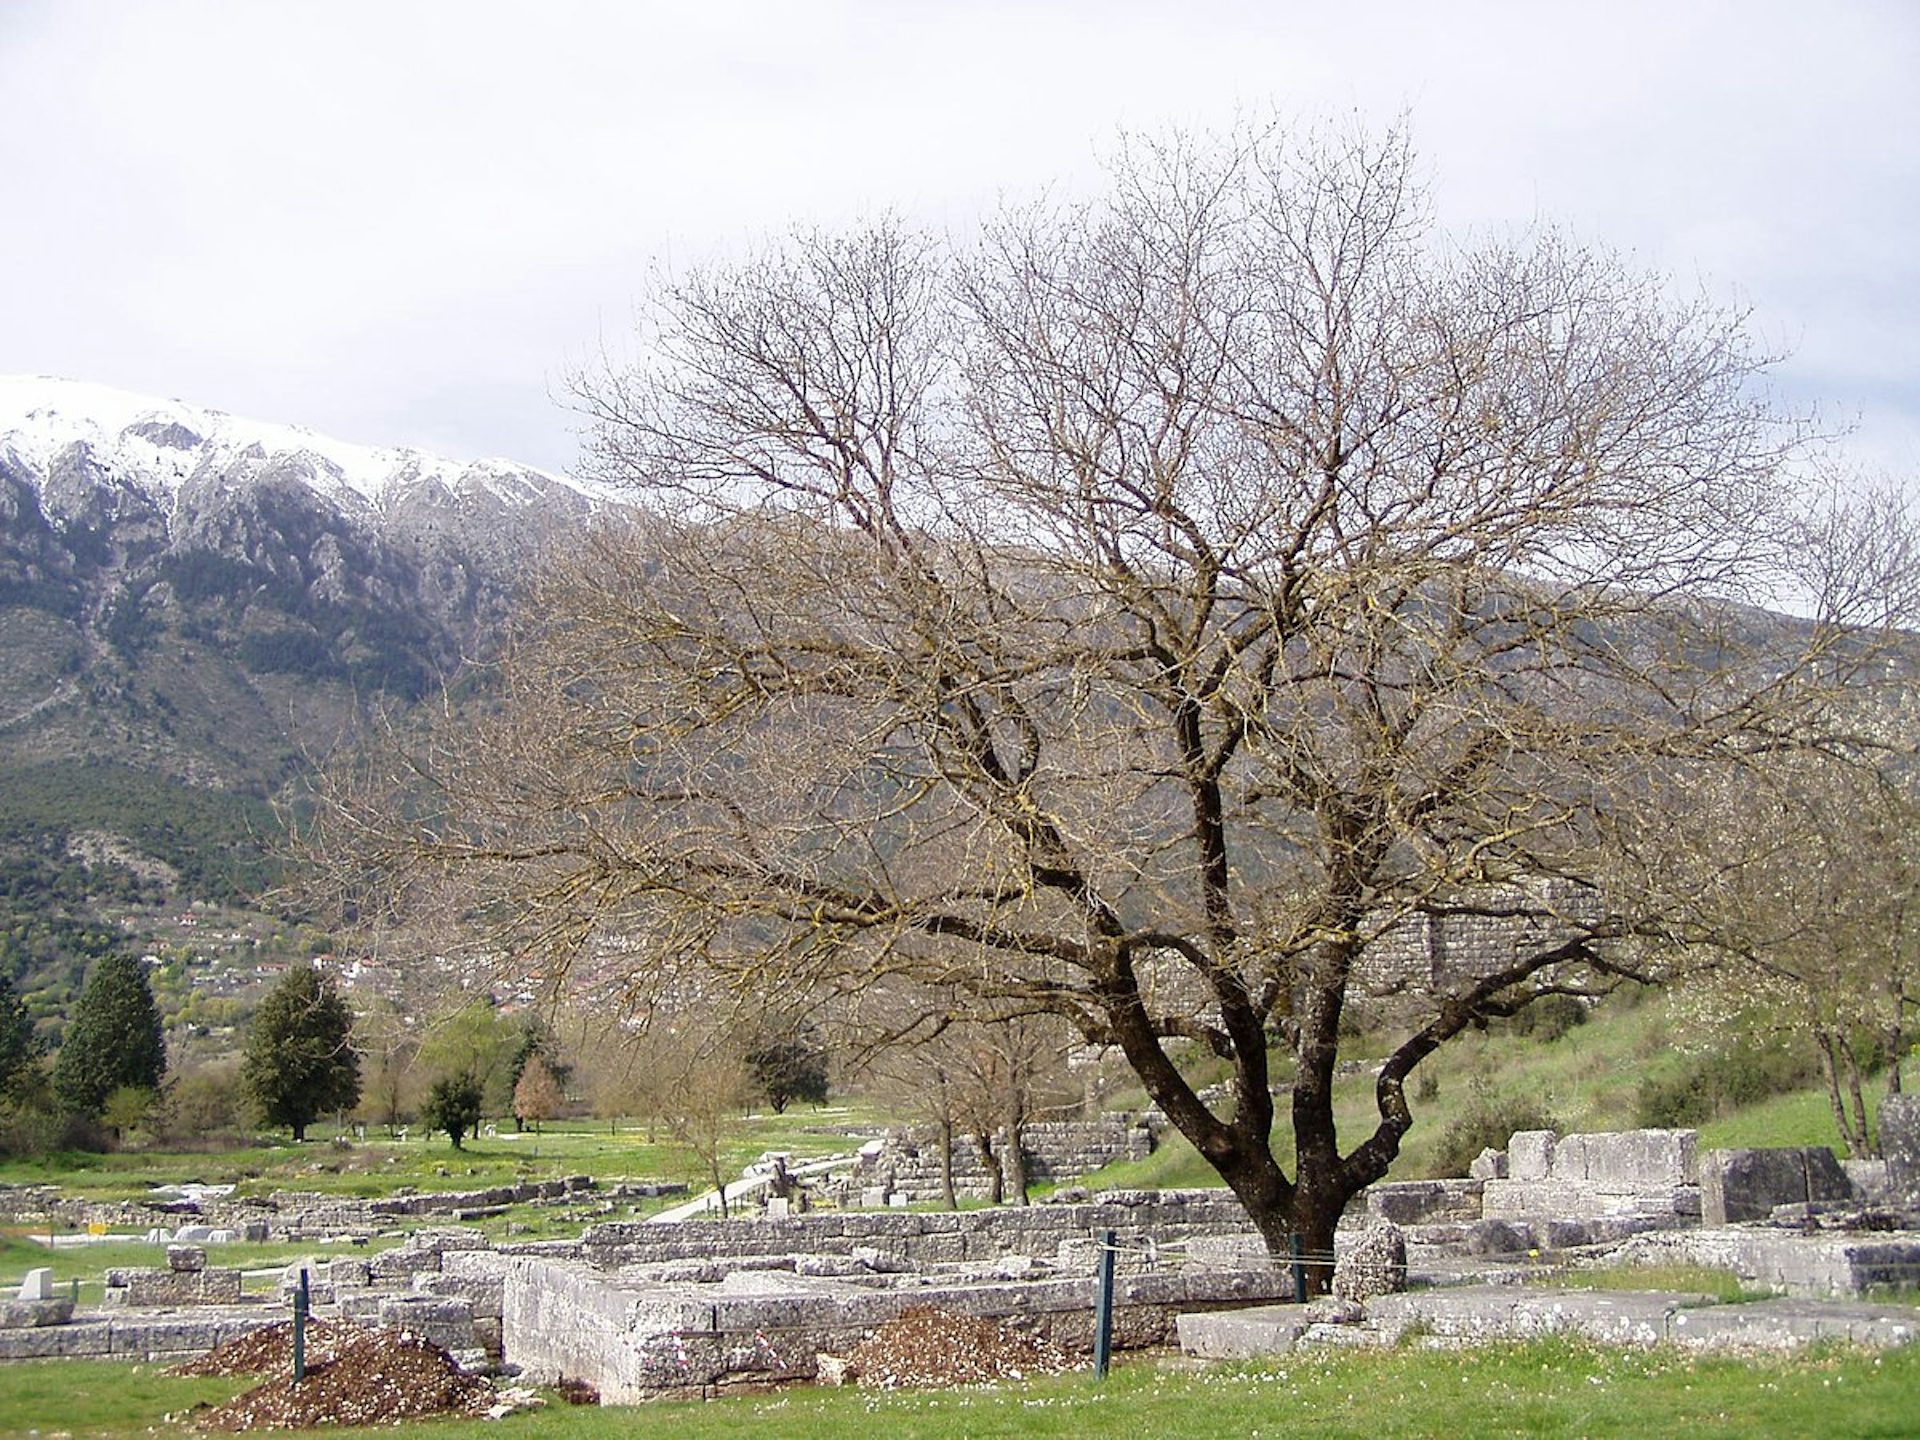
[137, 439]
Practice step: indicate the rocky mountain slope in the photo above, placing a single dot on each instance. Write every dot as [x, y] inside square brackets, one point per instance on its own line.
[193, 608]
[207, 597]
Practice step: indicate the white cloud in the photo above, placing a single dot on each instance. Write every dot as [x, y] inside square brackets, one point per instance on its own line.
[398, 220]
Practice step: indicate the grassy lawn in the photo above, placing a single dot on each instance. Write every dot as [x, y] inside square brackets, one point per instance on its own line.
[1545, 1388]
[1588, 1079]
[379, 1164]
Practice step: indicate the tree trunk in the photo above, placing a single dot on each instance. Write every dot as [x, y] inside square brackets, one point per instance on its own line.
[947, 1196]
[299, 1131]
[1013, 1162]
[1830, 1068]
[984, 1141]
[1857, 1100]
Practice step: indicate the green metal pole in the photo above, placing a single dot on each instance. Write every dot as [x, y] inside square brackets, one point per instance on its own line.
[1103, 1308]
[1299, 1269]
[300, 1302]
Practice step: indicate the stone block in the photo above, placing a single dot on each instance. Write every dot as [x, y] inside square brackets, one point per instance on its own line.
[48, 1342]
[1376, 1265]
[186, 1259]
[1737, 1185]
[1488, 1165]
[1499, 1237]
[1634, 1160]
[38, 1285]
[1900, 1144]
[445, 1320]
[29, 1314]
[1530, 1155]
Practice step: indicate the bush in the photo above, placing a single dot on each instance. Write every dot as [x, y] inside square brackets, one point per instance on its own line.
[1745, 1073]
[1489, 1122]
[1550, 1017]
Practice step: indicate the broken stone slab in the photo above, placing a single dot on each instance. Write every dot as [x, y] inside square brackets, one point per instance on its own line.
[38, 1285]
[30, 1314]
[1737, 1185]
[1490, 1164]
[1899, 1121]
[1788, 1323]
[1241, 1334]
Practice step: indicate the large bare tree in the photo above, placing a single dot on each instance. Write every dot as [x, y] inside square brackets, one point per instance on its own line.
[1174, 613]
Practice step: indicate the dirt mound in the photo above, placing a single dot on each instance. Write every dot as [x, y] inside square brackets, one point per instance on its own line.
[260, 1351]
[363, 1377]
[928, 1349]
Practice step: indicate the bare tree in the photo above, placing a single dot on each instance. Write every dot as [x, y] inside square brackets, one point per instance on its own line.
[1157, 616]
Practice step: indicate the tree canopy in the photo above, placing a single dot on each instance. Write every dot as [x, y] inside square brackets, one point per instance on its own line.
[1189, 614]
[113, 1040]
[300, 1060]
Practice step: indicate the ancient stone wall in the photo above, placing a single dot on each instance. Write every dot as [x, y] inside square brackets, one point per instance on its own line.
[907, 1163]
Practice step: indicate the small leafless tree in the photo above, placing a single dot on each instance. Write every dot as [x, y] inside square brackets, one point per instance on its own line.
[1148, 616]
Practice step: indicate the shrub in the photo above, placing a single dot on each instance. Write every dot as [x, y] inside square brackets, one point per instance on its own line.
[1488, 1123]
[1550, 1017]
[1745, 1073]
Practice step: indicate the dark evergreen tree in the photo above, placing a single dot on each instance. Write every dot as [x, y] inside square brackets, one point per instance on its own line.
[18, 1045]
[113, 1039]
[788, 1067]
[453, 1105]
[300, 1061]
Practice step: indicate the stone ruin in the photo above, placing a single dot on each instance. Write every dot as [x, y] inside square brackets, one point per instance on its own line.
[904, 1167]
[644, 1308]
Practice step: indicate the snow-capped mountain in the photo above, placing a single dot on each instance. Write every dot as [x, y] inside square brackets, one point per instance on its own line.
[196, 592]
[158, 448]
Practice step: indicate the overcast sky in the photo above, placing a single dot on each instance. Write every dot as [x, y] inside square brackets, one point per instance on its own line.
[399, 223]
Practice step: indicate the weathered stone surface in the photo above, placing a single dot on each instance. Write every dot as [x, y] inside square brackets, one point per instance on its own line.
[155, 1289]
[1488, 1165]
[1899, 1121]
[38, 1285]
[1422, 1202]
[1376, 1265]
[26, 1314]
[1499, 1237]
[1242, 1334]
[445, 1320]
[1738, 1185]
[1530, 1154]
[187, 1259]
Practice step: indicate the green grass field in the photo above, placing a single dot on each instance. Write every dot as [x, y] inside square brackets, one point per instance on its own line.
[1548, 1388]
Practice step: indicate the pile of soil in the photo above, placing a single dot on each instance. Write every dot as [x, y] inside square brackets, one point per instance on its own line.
[261, 1351]
[354, 1376]
[929, 1349]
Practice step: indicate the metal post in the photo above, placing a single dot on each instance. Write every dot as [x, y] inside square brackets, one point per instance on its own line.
[1103, 1308]
[300, 1303]
[1299, 1268]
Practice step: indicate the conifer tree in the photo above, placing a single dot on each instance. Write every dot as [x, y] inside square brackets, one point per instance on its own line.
[113, 1040]
[300, 1061]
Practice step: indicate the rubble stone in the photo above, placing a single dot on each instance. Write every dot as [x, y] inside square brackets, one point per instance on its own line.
[1376, 1265]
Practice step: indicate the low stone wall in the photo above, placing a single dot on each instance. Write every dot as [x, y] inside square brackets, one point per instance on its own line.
[1646, 1173]
[634, 1337]
[924, 1238]
[907, 1164]
[1817, 1265]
